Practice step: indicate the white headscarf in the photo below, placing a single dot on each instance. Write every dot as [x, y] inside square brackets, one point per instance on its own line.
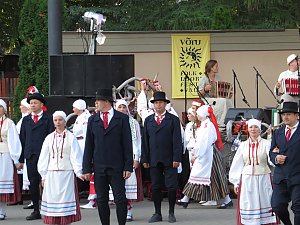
[202, 111]
[3, 104]
[79, 104]
[252, 122]
[61, 114]
[121, 102]
[25, 103]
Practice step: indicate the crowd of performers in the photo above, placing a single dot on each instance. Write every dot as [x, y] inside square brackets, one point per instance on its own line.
[109, 147]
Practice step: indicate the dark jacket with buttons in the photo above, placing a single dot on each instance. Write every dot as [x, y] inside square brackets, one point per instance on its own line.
[161, 143]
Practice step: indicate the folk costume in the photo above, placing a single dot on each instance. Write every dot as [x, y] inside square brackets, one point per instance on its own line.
[109, 147]
[161, 147]
[60, 158]
[286, 177]
[133, 185]
[26, 182]
[34, 129]
[251, 173]
[206, 182]
[79, 130]
[10, 151]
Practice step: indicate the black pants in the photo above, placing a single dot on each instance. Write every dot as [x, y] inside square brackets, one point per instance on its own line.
[162, 176]
[283, 193]
[117, 183]
[34, 179]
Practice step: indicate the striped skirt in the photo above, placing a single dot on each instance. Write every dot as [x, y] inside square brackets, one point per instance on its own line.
[9, 183]
[50, 207]
[216, 190]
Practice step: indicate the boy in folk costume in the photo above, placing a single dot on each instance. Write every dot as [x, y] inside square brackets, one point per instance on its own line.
[10, 151]
[60, 158]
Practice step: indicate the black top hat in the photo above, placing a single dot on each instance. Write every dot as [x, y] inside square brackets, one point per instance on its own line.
[37, 96]
[104, 94]
[159, 96]
[289, 107]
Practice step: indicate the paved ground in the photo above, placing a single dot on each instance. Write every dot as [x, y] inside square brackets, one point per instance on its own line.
[194, 214]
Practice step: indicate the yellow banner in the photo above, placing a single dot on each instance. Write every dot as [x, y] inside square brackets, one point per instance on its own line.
[190, 52]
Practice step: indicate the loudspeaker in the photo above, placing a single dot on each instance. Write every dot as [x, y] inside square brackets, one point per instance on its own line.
[237, 114]
[82, 75]
[73, 75]
[97, 70]
[56, 81]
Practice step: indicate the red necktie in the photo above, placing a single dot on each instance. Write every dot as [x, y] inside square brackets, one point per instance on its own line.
[288, 134]
[35, 118]
[157, 120]
[105, 119]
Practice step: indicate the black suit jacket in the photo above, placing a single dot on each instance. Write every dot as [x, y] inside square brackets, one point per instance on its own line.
[161, 143]
[290, 170]
[108, 149]
[33, 135]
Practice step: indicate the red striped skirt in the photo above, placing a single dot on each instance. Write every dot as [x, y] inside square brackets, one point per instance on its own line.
[64, 220]
[15, 197]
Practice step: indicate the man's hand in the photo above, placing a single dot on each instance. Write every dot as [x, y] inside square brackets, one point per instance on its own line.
[136, 164]
[81, 177]
[146, 165]
[280, 159]
[42, 183]
[19, 166]
[236, 189]
[126, 174]
[86, 176]
[278, 85]
[176, 164]
[276, 150]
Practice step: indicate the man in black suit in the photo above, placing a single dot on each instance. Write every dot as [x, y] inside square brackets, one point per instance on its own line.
[284, 153]
[109, 147]
[34, 129]
[162, 153]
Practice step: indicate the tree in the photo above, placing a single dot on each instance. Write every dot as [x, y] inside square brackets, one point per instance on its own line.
[9, 20]
[33, 60]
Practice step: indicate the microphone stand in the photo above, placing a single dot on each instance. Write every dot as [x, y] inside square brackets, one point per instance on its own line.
[201, 96]
[259, 75]
[240, 87]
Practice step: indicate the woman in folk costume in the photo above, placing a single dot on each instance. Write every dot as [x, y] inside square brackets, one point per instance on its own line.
[10, 151]
[251, 176]
[25, 110]
[133, 185]
[188, 135]
[60, 158]
[206, 181]
[79, 131]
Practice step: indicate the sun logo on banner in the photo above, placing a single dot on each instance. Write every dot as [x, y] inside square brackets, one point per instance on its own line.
[190, 57]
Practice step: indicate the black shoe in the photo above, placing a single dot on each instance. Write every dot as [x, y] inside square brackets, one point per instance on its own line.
[30, 206]
[155, 218]
[172, 218]
[183, 204]
[226, 205]
[34, 216]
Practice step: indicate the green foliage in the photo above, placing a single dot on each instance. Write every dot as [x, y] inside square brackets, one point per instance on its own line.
[33, 60]
[9, 20]
[142, 15]
[222, 18]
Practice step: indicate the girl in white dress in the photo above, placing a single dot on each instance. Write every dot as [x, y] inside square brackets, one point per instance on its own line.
[251, 176]
[60, 158]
